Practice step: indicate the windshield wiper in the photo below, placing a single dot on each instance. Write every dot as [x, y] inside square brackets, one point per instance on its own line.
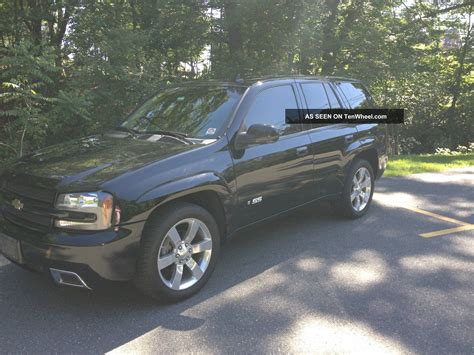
[182, 136]
[133, 132]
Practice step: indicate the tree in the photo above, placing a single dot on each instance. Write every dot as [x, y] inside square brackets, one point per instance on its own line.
[72, 67]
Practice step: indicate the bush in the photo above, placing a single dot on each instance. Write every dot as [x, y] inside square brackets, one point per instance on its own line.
[460, 149]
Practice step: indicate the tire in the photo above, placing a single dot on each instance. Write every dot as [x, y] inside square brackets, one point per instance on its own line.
[347, 205]
[180, 272]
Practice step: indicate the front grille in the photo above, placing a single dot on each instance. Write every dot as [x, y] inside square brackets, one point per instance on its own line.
[34, 193]
[33, 206]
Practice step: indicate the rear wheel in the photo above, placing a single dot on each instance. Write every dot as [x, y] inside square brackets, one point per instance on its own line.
[178, 253]
[358, 190]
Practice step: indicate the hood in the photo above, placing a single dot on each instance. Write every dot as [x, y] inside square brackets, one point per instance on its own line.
[93, 160]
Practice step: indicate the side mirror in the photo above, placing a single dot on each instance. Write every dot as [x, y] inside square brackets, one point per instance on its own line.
[256, 134]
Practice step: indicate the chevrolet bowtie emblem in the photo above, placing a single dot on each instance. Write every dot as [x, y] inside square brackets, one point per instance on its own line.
[17, 204]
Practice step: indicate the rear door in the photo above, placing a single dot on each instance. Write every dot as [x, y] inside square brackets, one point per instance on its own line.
[329, 142]
[273, 177]
[357, 96]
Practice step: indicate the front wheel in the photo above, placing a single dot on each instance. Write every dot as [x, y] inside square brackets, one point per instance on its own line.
[179, 250]
[358, 190]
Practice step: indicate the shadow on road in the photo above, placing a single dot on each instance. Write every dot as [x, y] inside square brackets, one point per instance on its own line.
[297, 283]
[451, 193]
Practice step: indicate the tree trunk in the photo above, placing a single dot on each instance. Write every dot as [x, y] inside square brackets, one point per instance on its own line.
[232, 22]
[329, 38]
[333, 40]
[456, 90]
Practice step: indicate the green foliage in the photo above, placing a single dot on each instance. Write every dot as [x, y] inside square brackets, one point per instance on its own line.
[24, 97]
[413, 164]
[72, 67]
[460, 149]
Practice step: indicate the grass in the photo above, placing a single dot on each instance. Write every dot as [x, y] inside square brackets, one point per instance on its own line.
[411, 164]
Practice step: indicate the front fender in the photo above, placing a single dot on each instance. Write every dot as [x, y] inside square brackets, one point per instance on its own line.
[181, 187]
[208, 181]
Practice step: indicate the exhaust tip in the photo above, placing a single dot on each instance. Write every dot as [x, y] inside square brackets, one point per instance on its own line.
[68, 278]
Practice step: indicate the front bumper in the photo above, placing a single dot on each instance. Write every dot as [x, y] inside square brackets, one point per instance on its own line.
[94, 256]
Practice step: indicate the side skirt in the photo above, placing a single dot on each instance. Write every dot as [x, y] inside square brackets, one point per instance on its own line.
[231, 235]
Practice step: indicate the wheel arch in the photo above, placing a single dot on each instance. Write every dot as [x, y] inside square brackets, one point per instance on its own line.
[205, 190]
[207, 199]
[371, 156]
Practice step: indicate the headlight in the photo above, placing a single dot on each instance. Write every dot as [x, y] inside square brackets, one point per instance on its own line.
[86, 210]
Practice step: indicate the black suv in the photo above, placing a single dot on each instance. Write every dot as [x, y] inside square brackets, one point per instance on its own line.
[153, 200]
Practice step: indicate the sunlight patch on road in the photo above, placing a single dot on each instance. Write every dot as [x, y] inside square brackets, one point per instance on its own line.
[448, 176]
[3, 261]
[463, 246]
[365, 269]
[309, 264]
[154, 342]
[322, 336]
[434, 263]
[395, 199]
[411, 203]
[408, 202]
[254, 286]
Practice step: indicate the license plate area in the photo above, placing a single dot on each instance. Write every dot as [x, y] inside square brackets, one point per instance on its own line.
[11, 248]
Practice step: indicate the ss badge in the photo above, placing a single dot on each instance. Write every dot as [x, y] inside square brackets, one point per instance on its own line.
[17, 204]
[255, 201]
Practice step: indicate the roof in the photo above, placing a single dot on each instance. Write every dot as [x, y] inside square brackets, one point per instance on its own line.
[297, 77]
[252, 81]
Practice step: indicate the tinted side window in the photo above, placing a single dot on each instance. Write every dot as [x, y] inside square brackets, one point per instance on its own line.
[333, 101]
[269, 108]
[355, 95]
[315, 95]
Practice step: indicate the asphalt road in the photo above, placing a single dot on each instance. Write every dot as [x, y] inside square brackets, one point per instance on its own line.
[306, 282]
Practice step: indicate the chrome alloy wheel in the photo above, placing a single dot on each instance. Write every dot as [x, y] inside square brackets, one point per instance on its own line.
[184, 254]
[361, 188]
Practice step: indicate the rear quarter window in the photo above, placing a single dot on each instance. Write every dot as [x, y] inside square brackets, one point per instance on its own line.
[355, 94]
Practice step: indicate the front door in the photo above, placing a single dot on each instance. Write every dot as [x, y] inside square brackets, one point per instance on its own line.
[273, 177]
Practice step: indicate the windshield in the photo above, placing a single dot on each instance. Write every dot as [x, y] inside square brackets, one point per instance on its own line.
[199, 112]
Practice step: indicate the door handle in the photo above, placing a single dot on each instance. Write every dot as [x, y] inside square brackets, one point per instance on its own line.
[349, 138]
[301, 151]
